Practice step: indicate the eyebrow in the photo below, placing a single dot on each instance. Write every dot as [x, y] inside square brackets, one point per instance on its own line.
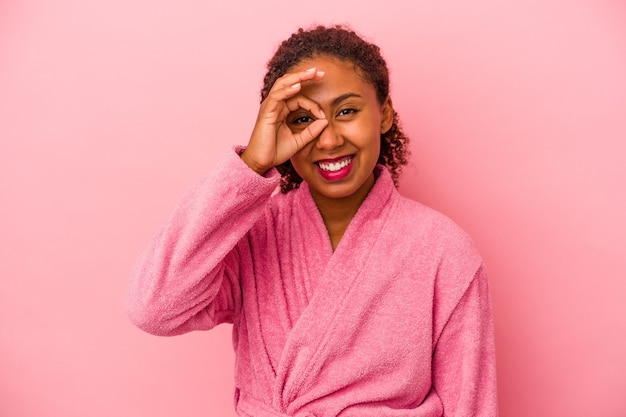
[344, 97]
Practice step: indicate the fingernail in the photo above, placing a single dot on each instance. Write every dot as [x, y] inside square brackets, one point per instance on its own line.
[311, 69]
[322, 113]
[320, 73]
[296, 85]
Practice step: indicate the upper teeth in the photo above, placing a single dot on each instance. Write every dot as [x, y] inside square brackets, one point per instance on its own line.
[335, 166]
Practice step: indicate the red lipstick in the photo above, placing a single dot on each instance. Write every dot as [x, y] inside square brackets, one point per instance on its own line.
[335, 169]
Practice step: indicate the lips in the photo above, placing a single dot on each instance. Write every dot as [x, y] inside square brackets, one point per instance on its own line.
[334, 165]
[335, 169]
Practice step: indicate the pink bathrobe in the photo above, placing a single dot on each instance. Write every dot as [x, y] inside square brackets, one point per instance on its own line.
[395, 322]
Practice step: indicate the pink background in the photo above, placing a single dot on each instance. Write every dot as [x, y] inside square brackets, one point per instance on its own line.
[109, 110]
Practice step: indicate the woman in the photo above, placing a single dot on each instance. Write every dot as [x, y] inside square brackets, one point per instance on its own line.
[346, 298]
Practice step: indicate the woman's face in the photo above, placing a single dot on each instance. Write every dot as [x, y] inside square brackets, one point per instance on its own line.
[339, 163]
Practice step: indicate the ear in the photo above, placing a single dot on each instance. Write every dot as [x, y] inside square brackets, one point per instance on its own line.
[387, 113]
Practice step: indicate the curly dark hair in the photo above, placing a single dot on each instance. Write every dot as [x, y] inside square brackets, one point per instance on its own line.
[343, 43]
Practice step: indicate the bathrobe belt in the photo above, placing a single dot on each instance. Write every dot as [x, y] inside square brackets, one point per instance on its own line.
[250, 407]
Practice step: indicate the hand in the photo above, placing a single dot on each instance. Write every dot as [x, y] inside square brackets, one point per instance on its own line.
[272, 142]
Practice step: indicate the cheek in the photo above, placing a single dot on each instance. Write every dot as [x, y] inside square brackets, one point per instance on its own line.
[366, 128]
[299, 161]
[368, 137]
[371, 146]
[376, 150]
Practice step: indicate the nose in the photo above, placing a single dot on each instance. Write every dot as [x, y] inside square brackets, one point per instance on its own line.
[330, 138]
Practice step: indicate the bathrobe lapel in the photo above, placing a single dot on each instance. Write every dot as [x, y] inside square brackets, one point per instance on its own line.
[332, 291]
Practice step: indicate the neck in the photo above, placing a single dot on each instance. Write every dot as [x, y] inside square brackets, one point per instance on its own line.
[337, 213]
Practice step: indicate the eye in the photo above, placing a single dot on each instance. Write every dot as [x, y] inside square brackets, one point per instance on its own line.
[301, 120]
[346, 112]
[298, 123]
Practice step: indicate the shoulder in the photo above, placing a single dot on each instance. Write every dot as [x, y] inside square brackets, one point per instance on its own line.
[434, 239]
[431, 227]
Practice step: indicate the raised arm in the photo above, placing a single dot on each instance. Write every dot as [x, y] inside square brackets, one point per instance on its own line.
[188, 278]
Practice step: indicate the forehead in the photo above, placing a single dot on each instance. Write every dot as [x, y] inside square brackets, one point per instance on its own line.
[340, 77]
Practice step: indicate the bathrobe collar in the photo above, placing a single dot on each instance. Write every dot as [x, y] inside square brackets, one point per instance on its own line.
[377, 198]
[304, 353]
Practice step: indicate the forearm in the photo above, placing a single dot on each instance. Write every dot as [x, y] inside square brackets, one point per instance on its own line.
[189, 273]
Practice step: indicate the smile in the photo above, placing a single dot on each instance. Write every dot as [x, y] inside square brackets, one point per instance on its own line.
[335, 169]
[335, 166]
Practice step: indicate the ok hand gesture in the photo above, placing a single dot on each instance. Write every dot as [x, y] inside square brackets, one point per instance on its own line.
[272, 141]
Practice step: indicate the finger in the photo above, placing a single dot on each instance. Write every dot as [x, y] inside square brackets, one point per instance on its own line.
[293, 78]
[281, 93]
[290, 84]
[312, 131]
[301, 102]
[273, 108]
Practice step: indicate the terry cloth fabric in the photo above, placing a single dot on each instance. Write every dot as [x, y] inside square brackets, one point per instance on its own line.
[395, 322]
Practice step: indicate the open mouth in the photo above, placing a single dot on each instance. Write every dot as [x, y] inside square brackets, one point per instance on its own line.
[335, 165]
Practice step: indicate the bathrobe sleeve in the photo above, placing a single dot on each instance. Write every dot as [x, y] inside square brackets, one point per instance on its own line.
[464, 374]
[188, 278]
